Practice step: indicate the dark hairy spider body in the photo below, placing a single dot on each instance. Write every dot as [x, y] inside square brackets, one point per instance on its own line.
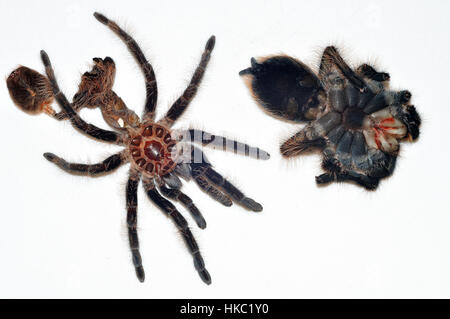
[158, 155]
[352, 117]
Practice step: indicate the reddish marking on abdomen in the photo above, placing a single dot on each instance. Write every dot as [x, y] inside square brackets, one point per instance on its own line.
[387, 120]
[377, 140]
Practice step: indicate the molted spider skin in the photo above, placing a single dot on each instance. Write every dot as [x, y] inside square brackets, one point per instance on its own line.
[352, 117]
[157, 154]
[95, 90]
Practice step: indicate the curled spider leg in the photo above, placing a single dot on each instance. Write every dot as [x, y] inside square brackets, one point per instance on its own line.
[77, 121]
[176, 194]
[376, 81]
[408, 115]
[369, 183]
[106, 166]
[369, 72]
[220, 142]
[217, 186]
[147, 69]
[181, 223]
[331, 59]
[183, 101]
[131, 198]
[310, 136]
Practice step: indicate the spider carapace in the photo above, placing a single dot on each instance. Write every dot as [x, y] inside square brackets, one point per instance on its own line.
[158, 155]
[152, 149]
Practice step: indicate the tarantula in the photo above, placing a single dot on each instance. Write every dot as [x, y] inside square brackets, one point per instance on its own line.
[352, 117]
[156, 154]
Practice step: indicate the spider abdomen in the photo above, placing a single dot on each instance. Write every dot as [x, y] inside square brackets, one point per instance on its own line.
[30, 90]
[151, 150]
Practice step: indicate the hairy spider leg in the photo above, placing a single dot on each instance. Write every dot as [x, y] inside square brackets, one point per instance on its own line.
[147, 69]
[89, 129]
[223, 143]
[106, 166]
[311, 135]
[375, 163]
[186, 201]
[131, 198]
[183, 101]
[411, 118]
[216, 186]
[181, 223]
[330, 58]
[363, 180]
[231, 190]
[372, 74]
[208, 187]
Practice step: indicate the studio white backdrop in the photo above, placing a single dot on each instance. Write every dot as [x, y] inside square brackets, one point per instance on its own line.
[65, 236]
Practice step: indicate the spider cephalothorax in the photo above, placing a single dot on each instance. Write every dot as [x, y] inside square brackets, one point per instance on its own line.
[351, 116]
[152, 149]
[157, 154]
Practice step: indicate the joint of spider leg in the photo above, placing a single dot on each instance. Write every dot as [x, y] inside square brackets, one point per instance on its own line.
[332, 165]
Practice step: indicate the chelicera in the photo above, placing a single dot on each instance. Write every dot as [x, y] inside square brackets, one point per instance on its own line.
[158, 155]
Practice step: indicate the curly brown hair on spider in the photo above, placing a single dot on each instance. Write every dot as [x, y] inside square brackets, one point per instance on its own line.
[352, 117]
[157, 154]
[30, 91]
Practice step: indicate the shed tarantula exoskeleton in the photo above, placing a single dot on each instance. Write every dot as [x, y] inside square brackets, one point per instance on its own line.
[157, 154]
[351, 116]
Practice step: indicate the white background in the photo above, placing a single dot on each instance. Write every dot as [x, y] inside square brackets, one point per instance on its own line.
[65, 236]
